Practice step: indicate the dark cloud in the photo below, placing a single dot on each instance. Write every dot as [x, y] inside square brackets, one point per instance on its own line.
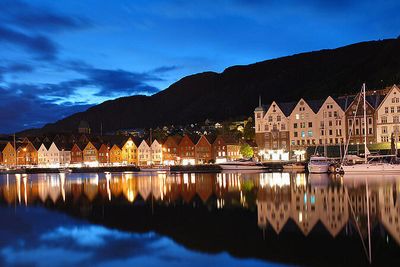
[163, 69]
[38, 44]
[21, 14]
[26, 110]
[33, 105]
[113, 82]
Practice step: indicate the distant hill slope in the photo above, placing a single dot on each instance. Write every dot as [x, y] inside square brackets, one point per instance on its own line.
[235, 91]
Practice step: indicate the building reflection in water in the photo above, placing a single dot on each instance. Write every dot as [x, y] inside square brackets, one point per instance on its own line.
[338, 204]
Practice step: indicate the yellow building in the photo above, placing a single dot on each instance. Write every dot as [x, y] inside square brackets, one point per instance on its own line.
[9, 155]
[129, 152]
[115, 154]
[91, 153]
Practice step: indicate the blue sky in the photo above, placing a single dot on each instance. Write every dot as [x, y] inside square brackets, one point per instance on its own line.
[61, 57]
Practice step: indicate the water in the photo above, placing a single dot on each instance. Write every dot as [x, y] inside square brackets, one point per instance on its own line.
[224, 219]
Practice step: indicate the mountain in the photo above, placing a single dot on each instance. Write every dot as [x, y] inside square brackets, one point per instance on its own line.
[235, 91]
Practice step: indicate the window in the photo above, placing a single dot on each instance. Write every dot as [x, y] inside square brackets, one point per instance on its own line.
[295, 134]
[258, 115]
[310, 124]
[386, 110]
[303, 134]
[350, 123]
[335, 114]
[278, 118]
[384, 129]
[303, 125]
[310, 134]
[269, 118]
[395, 119]
[297, 116]
[283, 127]
[330, 114]
[391, 109]
[369, 120]
[398, 109]
[295, 125]
[330, 123]
[384, 119]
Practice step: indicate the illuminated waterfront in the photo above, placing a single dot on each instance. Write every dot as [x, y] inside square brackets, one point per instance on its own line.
[176, 219]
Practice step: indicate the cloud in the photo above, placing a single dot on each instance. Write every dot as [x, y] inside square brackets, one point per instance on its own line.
[22, 15]
[31, 105]
[164, 69]
[38, 44]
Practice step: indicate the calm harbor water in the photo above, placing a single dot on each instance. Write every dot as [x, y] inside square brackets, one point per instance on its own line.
[207, 219]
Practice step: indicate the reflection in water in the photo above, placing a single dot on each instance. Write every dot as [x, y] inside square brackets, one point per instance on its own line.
[280, 200]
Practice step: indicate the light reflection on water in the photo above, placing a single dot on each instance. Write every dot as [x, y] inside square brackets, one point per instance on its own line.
[280, 205]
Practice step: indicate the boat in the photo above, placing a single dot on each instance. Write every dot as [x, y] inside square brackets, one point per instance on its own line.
[369, 166]
[155, 168]
[296, 166]
[318, 164]
[243, 164]
[65, 170]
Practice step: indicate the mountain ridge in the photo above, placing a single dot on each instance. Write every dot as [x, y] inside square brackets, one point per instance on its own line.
[234, 92]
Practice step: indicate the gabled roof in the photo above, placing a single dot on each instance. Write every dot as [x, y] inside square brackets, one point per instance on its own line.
[344, 101]
[287, 107]
[80, 145]
[374, 100]
[315, 105]
[47, 145]
[65, 146]
[2, 146]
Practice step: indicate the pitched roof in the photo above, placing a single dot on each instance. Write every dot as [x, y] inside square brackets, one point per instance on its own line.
[344, 101]
[374, 100]
[315, 105]
[2, 146]
[287, 107]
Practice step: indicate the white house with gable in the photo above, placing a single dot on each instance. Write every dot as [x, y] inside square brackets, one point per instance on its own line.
[387, 116]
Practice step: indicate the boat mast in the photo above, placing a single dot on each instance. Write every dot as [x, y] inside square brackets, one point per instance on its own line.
[325, 140]
[15, 149]
[365, 126]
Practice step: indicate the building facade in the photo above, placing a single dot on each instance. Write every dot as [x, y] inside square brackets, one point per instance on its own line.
[355, 119]
[387, 117]
[331, 118]
[272, 132]
[187, 151]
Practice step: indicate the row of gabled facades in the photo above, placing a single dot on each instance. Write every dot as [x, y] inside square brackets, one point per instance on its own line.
[87, 150]
[285, 130]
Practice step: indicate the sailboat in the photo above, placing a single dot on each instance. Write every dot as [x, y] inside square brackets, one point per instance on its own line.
[369, 165]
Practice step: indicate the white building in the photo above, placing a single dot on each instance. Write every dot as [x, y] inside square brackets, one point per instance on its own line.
[156, 153]
[42, 155]
[304, 126]
[144, 155]
[387, 116]
[332, 122]
[272, 131]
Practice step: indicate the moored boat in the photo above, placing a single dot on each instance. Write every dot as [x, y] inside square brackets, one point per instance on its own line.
[296, 166]
[242, 165]
[318, 164]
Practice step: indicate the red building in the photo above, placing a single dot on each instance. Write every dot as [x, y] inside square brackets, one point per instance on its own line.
[104, 154]
[203, 150]
[171, 150]
[186, 150]
[77, 153]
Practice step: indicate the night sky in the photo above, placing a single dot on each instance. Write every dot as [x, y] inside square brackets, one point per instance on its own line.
[61, 57]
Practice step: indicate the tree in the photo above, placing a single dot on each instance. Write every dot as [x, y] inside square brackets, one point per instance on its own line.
[246, 151]
[248, 131]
